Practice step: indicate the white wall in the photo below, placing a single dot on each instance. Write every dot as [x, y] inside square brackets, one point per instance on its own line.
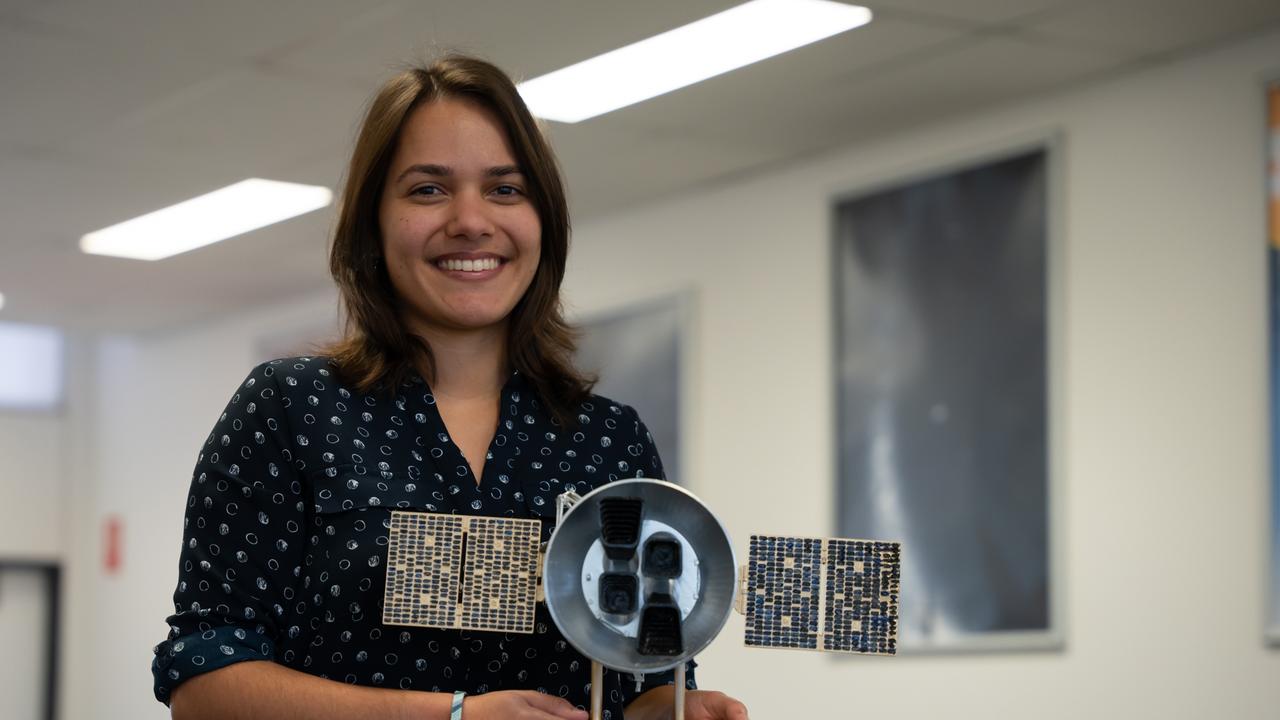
[1158, 418]
[45, 516]
[32, 468]
[156, 400]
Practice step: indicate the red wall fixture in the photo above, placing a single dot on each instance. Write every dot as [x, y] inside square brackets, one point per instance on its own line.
[112, 544]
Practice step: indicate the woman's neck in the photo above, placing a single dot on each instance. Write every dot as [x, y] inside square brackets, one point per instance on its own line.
[469, 364]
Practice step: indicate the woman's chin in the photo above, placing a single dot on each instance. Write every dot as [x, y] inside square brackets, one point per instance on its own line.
[471, 322]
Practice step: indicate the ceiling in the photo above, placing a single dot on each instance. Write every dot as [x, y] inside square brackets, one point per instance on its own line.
[112, 109]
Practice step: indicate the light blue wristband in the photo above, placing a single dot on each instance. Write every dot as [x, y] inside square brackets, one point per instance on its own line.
[455, 711]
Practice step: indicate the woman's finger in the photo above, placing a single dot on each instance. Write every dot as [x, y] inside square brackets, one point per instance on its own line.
[723, 707]
[557, 707]
[540, 714]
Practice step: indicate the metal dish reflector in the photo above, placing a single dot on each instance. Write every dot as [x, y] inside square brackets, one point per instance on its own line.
[703, 588]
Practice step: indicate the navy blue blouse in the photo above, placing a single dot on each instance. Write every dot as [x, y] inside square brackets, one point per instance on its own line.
[287, 524]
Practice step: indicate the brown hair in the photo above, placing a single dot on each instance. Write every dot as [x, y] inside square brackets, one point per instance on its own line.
[376, 348]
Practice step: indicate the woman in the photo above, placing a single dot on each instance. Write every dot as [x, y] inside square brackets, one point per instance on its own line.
[453, 392]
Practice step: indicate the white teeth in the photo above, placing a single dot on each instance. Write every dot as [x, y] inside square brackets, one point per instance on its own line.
[468, 265]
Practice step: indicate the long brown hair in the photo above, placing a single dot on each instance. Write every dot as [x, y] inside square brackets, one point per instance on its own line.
[376, 348]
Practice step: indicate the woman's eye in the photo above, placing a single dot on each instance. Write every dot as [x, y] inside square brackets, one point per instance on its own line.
[507, 190]
[426, 191]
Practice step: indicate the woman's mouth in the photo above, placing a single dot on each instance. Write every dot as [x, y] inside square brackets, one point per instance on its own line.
[471, 266]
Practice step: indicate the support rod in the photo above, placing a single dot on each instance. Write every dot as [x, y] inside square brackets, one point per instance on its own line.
[679, 708]
[597, 691]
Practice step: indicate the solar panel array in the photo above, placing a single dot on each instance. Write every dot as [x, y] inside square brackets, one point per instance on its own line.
[480, 573]
[461, 571]
[850, 585]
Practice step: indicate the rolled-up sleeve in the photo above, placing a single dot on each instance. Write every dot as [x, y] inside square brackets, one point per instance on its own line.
[242, 541]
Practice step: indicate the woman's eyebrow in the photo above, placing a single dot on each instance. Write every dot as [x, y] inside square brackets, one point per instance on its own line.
[446, 171]
[440, 170]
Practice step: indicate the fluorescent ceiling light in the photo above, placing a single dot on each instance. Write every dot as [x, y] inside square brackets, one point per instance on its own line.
[230, 211]
[726, 41]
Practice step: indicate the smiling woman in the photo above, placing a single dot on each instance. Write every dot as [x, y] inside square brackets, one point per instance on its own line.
[460, 240]
[452, 391]
[451, 148]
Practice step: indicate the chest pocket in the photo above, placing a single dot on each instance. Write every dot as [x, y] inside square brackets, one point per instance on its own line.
[347, 548]
[345, 489]
[542, 486]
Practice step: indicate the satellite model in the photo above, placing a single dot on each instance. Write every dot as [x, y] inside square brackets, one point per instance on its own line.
[640, 576]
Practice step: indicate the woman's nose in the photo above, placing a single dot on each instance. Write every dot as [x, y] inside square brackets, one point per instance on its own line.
[470, 217]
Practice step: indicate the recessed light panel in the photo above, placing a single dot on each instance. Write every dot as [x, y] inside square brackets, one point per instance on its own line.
[725, 41]
[233, 210]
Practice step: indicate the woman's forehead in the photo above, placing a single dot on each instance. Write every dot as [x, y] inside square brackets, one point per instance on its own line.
[453, 133]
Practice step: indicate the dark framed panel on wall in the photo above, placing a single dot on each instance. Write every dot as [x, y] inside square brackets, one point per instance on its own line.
[943, 299]
[30, 596]
[637, 351]
[1273, 364]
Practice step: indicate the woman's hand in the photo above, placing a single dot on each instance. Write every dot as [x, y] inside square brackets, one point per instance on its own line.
[519, 705]
[698, 705]
[712, 705]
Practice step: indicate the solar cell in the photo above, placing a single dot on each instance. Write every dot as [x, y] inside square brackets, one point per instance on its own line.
[501, 574]
[861, 594]
[782, 592]
[424, 552]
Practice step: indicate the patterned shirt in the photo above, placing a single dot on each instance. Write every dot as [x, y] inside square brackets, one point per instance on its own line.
[287, 521]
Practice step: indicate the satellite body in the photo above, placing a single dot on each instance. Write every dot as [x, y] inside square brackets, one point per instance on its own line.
[672, 576]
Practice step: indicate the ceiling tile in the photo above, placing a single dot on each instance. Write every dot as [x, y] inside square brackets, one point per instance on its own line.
[526, 39]
[58, 284]
[968, 76]
[56, 87]
[240, 123]
[54, 199]
[975, 12]
[608, 169]
[775, 103]
[226, 29]
[1149, 27]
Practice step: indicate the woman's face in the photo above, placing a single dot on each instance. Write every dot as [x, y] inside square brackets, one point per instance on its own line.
[460, 237]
